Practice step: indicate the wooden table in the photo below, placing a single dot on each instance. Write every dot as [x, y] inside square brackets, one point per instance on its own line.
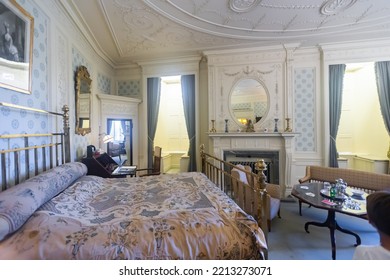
[311, 194]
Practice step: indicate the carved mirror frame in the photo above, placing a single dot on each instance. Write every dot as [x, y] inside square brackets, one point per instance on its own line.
[250, 100]
[83, 101]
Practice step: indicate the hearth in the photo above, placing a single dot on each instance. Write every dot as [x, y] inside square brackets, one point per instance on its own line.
[271, 158]
[274, 147]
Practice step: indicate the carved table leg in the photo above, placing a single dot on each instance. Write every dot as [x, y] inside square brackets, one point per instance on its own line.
[331, 223]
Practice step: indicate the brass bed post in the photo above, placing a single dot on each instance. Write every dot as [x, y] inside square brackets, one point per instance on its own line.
[66, 142]
[3, 173]
[36, 164]
[44, 158]
[203, 158]
[51, 157]
[260, 166]
[16, 164]
[26, 158]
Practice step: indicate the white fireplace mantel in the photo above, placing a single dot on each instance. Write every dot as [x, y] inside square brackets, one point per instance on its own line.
[252, 134]
[258, 141]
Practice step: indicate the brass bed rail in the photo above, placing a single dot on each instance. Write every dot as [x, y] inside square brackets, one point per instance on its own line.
[252, 197]
[21, 159]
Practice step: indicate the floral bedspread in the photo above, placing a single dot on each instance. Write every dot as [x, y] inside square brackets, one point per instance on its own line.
[172, 216]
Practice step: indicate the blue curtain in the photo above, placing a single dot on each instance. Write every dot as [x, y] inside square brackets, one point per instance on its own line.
[153, 105]
[109, 126]
[382, 73]
[336, 78]
[188, 92]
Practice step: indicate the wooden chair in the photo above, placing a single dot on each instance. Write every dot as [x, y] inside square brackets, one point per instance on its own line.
[156, 169]
[274, 194]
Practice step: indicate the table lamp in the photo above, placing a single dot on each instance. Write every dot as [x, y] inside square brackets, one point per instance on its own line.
[108, 138]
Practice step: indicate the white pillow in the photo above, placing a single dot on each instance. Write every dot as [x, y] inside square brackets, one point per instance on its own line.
[242, 174]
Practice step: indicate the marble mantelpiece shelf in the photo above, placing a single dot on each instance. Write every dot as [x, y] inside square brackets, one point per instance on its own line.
[252, 134]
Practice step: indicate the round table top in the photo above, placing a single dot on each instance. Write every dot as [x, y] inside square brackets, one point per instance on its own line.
[315, 195]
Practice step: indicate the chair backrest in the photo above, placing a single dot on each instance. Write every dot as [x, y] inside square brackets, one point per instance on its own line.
[241, 175]
[157, 159]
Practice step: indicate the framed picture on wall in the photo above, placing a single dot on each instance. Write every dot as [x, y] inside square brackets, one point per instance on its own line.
[16, 45]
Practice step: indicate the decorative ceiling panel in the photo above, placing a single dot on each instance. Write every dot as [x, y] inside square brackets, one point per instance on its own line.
[146, 29]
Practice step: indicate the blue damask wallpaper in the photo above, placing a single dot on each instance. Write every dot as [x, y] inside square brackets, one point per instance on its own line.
[16, 121]
[23, 121]
[104, 84]
[304, 108]
[130, 88]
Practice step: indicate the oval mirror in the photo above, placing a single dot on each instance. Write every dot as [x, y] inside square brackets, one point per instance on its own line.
[248, 101]
[83, 101]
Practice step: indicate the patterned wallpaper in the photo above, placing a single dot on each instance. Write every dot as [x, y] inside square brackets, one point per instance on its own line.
[304, 109]
[242, 106]
[16, 121]
[130, 88]
[104, 84]
[260, 108]
[255, 109]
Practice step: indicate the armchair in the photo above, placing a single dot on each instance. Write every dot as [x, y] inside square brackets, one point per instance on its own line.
[156, 168]
[114, 149]
[274, 193]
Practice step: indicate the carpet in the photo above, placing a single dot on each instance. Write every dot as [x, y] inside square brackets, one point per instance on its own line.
[288, 239]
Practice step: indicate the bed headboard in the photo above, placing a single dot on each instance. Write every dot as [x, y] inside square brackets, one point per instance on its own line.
[21, 157]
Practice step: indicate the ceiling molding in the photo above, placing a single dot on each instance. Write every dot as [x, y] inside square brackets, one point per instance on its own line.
[85, 30]
[134, 31]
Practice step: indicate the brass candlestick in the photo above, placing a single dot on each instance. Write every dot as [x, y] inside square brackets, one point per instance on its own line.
[288, 128]
[213, 126]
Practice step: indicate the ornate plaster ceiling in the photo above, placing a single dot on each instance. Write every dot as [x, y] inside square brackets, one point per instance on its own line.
[127, 31]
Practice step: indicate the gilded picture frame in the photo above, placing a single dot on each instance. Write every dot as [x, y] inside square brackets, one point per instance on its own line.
[16, 46]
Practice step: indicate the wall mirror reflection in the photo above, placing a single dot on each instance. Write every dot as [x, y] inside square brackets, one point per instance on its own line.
[120, 147]
[248, 101]
[83, 101]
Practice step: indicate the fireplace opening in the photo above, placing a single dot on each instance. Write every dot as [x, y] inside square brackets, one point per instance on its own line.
[271, 159]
